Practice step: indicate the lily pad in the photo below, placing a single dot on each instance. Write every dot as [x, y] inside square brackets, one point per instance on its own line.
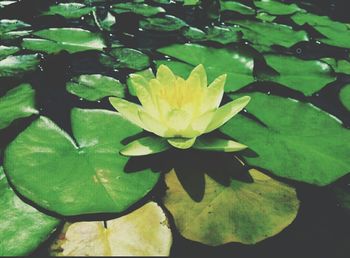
[22, 227]
[276, 7]
[263, 35]
[72, 40]
[125, 58]
[18, 65]
[166, 23]
[235, 6]
[307, 76]
[94, 87]
[231, 213]
[143, 232]
[6, 51]
[137, 8]
[336, 33]
[223, 35]
[344, 95]
[90, 177]
[17, 103]
[236, 63]
[339, 66]
[297, 140]
[9, 28]
[69, 10]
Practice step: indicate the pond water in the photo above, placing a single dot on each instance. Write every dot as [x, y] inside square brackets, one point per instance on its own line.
[322, 226]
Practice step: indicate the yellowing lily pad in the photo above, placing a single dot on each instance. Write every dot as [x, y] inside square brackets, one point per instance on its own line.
[245, 212]
[143, 232]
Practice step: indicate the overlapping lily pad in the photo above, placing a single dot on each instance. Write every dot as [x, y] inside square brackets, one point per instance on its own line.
[296, 140]
[125, 58]
[339, 66]
[22, 227]
[263, 35]
[307, 76]
[17, 103]
[235, 6]
[166, 23]
[12, 29]
[72, 40]
[276, 7]
[137, 8]
[236, 63]
[94, 87]
[231, 213]
[143, 232]
[344, 95]
[223, 35]
[108, 182]
[18, 65]
[7, 50]
[69, 10]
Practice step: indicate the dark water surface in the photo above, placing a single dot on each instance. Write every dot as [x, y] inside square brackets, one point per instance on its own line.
[322, 227]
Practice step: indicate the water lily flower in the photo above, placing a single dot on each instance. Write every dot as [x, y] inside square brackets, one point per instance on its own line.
[178, 111]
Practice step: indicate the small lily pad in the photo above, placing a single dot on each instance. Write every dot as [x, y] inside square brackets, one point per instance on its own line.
[137, 8]
[18, 65]
[72, 40]
[11, 26]
[231, 213]
[125, 58]
[276, 7]
[108, 182]
[69, 10]
[22, 227]
[94, 87]
[223, 35]
[143, 232]
[166, 23]
[17, 103]
[5, 51]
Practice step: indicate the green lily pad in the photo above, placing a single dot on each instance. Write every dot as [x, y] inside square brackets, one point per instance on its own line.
[105, 23]
[166, 23]
[265, 17]
[125, 58]
[307, 76]
[191, 2]
[17, 103]
[8, 26]
[276, 7]
[339, 66]
[223, 35]
[69, 10]
[235, 6]
[143, 232]
[18, 65]
[336, 33]
[263, 35]
[344, 95]
[94, 87]
[22, 227]
[231, 213]
[137, 8]
[72, 40]
[81, 176]
[6, 51]
[299, 141]
[236, 63]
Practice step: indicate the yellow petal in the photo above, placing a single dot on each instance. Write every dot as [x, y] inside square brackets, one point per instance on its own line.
[202, 75]
[152, 124]
[182, 143]
[214, 94]
[178, 120]
[165, 76]
[144, 95]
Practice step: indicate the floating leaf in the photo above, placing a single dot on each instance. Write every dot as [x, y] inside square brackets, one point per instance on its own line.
[266, 34]
[145, 146]
[245, 212]
[213, 144]
[191, 2]
[137, 8]
[336, 33]
[108, 182]
[143, 232]
[223, 35]
[17, 103]
[18, 65]
[339, 66]
[95, 87]
[22, 227]
[12, 29]
[276, 7]
[307, 76]
[125, 58]
[166, 23]
[105, 23]
[72, 40]
[265, 17]
[6, 51]
[299, 141]
[69, 10]
[236, 63]
[236, 7]
[345, 96]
